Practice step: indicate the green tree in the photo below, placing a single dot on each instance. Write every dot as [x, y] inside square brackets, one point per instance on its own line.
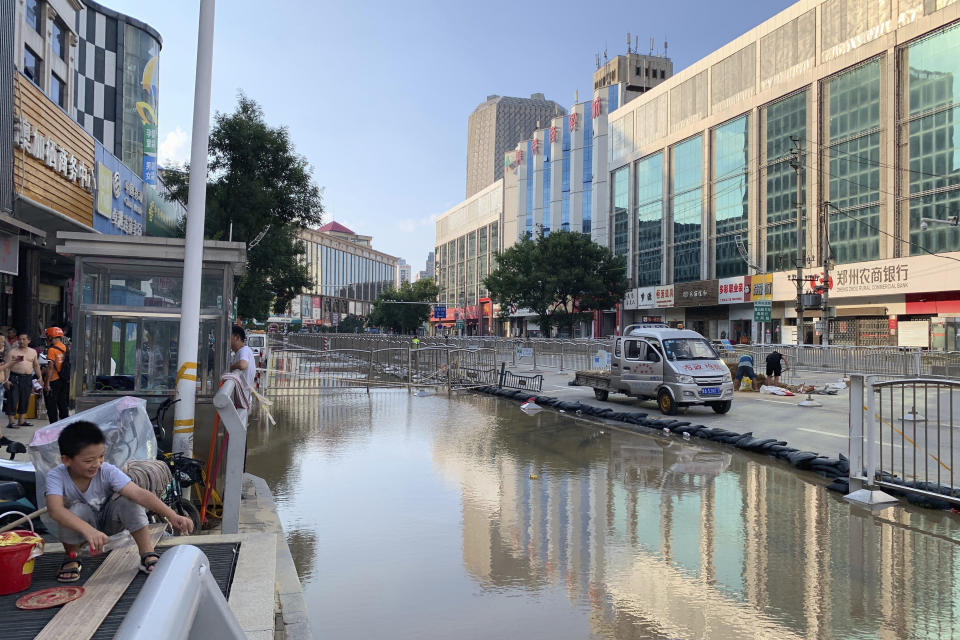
[352, 323]
[261, 189]
[404, 318]
[562, 277]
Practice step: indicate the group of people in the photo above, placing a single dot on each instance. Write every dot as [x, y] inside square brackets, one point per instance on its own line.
[22, 376]
[776, 362]
[87, 497]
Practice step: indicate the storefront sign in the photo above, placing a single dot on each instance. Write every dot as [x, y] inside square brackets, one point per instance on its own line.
[119, 196]
[664, 295]
[734, 290]
[916, 274]
[37, 143]
[630, 300]
[696, 294]
[317, 308]
[162, 215]
[761, 287]
[53, 157]
[646, 297]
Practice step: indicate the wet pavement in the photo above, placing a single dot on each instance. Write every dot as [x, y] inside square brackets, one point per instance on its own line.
[464, 517]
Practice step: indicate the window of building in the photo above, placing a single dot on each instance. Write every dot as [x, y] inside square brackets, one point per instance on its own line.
[621, 200]
[663, 73]
[730, 193]
[31, 65]
[649, 219]
[931, 85]
[586, 223]
[59, 42]
[687, 208]
[58, 90]
[783, 119]
[32, 15]
[528, 226]
[482, 240]
[853, 162]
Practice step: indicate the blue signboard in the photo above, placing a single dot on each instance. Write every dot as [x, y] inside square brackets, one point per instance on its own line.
[118, 201]
[440, 311]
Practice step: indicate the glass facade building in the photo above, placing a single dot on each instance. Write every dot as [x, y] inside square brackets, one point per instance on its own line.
[859, 102]
[348, 276]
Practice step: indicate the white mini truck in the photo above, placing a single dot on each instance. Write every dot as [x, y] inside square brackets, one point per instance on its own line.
[675, 367]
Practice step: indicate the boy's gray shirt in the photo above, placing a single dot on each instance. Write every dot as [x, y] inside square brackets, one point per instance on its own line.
[109, 480]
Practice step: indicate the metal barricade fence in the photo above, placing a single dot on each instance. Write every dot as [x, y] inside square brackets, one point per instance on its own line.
[902, 435]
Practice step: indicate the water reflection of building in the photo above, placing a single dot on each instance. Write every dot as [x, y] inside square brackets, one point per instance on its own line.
[688, 541]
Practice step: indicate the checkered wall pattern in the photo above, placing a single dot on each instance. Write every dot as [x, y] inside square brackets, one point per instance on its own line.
[97, 89]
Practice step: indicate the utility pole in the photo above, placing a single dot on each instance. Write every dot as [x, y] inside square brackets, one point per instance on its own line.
[796, 162]
[825, 250]
[186, 384]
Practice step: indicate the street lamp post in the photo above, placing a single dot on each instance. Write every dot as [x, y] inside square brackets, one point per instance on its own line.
[186, 381]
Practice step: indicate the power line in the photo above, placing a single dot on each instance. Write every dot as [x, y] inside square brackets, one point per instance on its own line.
[898, 239]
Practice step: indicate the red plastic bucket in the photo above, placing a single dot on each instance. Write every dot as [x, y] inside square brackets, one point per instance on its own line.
[16, 559]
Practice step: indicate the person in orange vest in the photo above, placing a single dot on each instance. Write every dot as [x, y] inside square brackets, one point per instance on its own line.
[56, 377]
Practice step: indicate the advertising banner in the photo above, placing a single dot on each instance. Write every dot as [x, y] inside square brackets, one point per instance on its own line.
[140, 100]
[734, 290]
[761, 287]
[664, 295]
[161, 215]
[317, 308]
[118, 198]
[696, 294]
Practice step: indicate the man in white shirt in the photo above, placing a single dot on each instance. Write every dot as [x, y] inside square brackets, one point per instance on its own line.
[243, 358]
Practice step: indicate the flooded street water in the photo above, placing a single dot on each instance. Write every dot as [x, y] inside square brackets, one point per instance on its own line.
[463, 517]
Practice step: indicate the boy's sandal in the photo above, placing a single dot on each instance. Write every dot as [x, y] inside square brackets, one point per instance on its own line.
[148, 561]
[65, 574]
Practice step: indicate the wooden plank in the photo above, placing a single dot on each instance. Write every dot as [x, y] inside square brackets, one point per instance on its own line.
[80, 619]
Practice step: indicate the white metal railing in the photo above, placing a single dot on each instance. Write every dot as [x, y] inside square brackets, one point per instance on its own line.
[181, 600]
[235, 422]
[902, 435]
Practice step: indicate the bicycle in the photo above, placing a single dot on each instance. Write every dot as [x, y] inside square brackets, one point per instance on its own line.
[187, 472]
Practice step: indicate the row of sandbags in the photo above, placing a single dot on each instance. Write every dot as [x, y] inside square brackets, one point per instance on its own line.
[836, 468]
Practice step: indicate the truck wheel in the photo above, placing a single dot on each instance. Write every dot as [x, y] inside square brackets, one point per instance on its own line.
[601, 394]
[665, 401]
[721, 407]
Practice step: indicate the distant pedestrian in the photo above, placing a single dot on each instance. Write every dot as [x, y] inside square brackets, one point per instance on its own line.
[744, 370]
[416, 342]
[775, 363]
[243, 358]
[24, 367]
[56, 382]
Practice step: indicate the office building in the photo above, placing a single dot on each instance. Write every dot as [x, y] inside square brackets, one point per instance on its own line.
[403, 272]
[702, 167]
[116, 93]
[430, 266]
[494, 127]
[467, 239]
[55, 175]
[348, 274]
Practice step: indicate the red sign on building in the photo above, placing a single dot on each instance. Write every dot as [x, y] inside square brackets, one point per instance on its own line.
[553, 134]
[535, 145]
[597, 107]
[573, 120]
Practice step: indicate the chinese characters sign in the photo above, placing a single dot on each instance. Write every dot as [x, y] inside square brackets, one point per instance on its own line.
[664, 295]
[573, 120]
[734, 290]
[696, 294]
[119, 201]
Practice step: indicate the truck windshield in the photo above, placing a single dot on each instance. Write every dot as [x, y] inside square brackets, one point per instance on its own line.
[689, 349]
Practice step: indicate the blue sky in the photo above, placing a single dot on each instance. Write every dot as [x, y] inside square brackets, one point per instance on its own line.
[376, 94]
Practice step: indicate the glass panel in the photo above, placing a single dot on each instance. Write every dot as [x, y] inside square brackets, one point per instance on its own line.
[587, 205]
[529, 217]
[649, 219]
[545, 220]
[687, 208]
[783, 119]
[621, 196]
[933, 64]
[115, 284]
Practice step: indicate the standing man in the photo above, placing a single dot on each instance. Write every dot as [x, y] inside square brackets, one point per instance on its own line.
[24, 366]
[775, 363]
[56, 383]
[243, 358]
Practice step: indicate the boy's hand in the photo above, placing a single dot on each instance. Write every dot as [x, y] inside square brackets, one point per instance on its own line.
[182, 524]
[96, 539]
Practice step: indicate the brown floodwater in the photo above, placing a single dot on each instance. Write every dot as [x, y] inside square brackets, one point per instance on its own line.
[464, 517]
